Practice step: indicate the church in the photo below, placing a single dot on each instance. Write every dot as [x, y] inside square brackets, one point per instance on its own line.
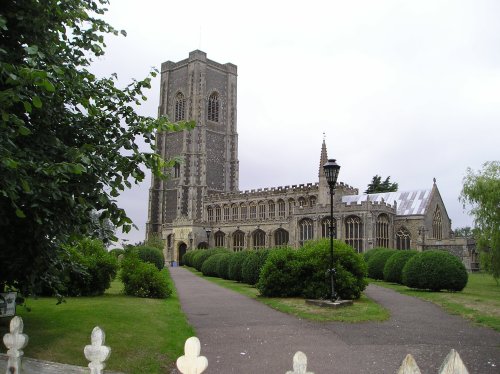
[200, 204]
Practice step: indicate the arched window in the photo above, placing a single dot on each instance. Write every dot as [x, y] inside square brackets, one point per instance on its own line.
[259, 239]
[354, 232]
[217, 213]
[382, 231]
[253, 211]
[210, 214]
[180, 102]
[312, 201]
[272, 209]
[177, 170]
[226, 213]
[325, 228]
[281, 209]
[281, 238]
[437, 224]
[243, 211]
[305, 230]
[213, 107]
[238, 241]
[262, 210]
[235, 212]
[403, 238]
[219, 239]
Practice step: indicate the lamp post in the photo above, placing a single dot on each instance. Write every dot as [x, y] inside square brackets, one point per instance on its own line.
[331, 169]
[208, 231]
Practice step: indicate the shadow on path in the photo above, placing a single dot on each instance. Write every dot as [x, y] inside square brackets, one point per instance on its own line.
[241, 335]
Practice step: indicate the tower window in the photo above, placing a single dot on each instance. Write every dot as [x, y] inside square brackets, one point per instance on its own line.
[226, 213]
[180, 102]
[213, 107]
[177, 170]
[437, 224]
[382, 231]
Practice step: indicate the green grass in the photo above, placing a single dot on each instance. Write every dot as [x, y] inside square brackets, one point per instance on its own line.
[363, 310]
[478, 302]
[145, 335]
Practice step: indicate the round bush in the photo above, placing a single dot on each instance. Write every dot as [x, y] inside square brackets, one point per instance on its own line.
[187, 259]
[203, 255]
[235, 264]
[376, 263]
[152, 255]
[435, 270]
[288, 272]
[393, 268]
[223, 265]
[143, 279]
[368, 254]
[251, 267]
[211, 264]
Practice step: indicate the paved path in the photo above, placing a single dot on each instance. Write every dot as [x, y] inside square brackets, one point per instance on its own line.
[241, 335]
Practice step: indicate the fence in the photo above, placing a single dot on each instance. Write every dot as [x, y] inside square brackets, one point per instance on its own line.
[191, 363]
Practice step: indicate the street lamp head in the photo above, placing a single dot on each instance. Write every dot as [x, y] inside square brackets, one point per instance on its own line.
[331, 169]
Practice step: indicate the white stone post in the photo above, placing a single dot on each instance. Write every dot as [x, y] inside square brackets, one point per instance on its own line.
[15, 341]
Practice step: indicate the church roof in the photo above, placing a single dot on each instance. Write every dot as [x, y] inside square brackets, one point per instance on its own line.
[408, 202]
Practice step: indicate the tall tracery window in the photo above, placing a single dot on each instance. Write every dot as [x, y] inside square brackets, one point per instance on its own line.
[180, 103]
[281, 238]
[238, 241]
[217, 213]
[259, 239]
[226, 213]
[281, 209]
[235, 212]
[437, 224]
[403, 238]
[262, 210]
[253, 211]
[243, 212]
[219, 239]
[177, 170]
[213, 107]
[272, 209]
[325, 227]
[354, 232]
[382, 231]
[305, 230]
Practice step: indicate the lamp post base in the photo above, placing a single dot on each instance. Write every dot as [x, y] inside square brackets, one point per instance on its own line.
[329, 304]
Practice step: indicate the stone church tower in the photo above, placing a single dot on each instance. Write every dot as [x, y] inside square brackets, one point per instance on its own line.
[204, 91]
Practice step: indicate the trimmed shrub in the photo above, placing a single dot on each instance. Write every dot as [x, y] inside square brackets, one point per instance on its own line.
[211, 264]
[251, 267]
[289, 272]
[143, 279]
[201, 256]
[95, 269]
[376, 262]
[152, 255]
[223, 265]
[235, 264]
[393, 269]
[435, 270]
[188, 257]
[368, 254]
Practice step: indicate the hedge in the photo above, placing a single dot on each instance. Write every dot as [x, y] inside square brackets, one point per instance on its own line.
[393, 269]
[376, 262]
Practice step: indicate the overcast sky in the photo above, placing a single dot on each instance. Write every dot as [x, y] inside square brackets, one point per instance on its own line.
[406, 89]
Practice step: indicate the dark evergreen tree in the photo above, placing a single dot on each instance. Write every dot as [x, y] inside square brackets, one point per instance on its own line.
[377, 185]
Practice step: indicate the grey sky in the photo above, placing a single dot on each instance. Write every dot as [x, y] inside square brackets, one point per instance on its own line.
[409, 89]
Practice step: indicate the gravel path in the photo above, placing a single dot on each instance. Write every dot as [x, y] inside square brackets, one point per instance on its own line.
[241, 335]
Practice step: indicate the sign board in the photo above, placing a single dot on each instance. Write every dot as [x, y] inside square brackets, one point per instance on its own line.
[7, 304]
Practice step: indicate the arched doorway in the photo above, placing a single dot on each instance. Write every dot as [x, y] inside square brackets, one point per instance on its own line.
[182, 252]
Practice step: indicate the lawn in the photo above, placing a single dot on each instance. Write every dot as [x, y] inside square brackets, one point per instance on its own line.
[145, 335]
[363, 310]
[478, 302]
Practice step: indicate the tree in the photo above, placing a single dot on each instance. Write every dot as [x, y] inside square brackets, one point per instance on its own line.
[481, 190]
[463, 232]
[377, 185]
[67, 138]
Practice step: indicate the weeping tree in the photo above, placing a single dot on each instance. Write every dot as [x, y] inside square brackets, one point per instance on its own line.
[68, 139]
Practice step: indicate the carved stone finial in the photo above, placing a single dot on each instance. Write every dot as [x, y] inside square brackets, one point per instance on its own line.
[192, 362]
[409, 366]
[434, 180]
[299, 364]
[15, 341]
[97, 353]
